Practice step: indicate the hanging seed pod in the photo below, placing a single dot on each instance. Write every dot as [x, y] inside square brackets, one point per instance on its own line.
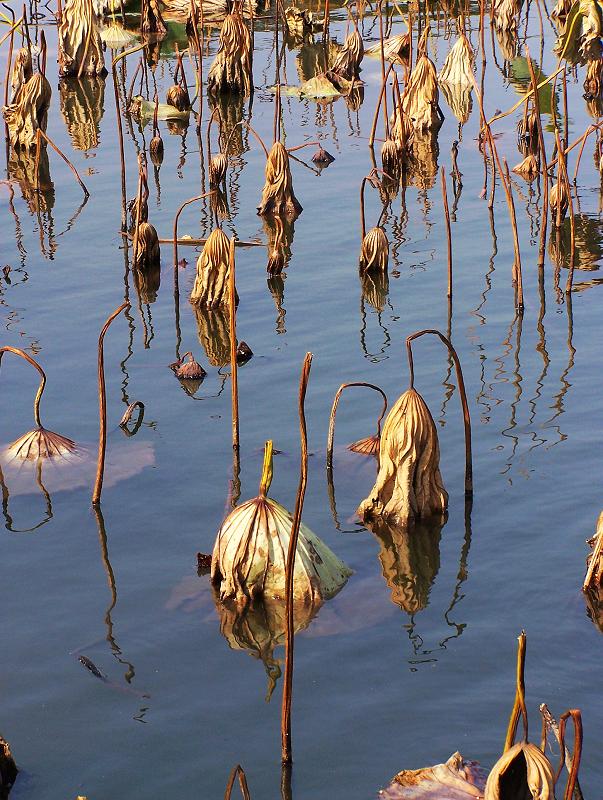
[458, 66]
[558, 200]
[189, 370]
[523, 771]
[22, 71]
[211, 282]
[527, 131]
[217, 169]
[592, 82]
[156, 144]
[39, 442]
[421, 96]
[528, 168]
[250, 554]
[322, 158]
[374, 252]
[231, 70]
[147, 251]
[29, 112]
[409, 483]
[178, 97]
[277, 195]
[244, 353]
[80, 44]
[151, 20]
[402, 131]
[347, 63]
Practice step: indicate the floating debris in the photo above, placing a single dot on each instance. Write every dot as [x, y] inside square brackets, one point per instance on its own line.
[187, 368]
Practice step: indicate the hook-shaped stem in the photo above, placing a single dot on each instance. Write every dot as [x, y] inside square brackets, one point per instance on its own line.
[286, 755]
[102, 407]
[240, 772]
[257, 135]
[22, 354]
[519, 705]
[331, 434]
[576, 716]
[462, 395]
[137, 404]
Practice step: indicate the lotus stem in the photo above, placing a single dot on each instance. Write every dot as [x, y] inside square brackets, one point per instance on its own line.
[385, 117]
[232, 312]
[239, 772]
[562, 170]
[379, 101]
[40, 134]
[286, 751]
[22, 354]
[518, 275]
[137, 404]
[462, 395]
[197, 242]
[519, 705]
[301, 146]
[549, 721]
[194, 10]
[524, 99]
[102, 407]
[331, 434]
[257, 135]
[576, 717]
[448, 231]
[174, 240]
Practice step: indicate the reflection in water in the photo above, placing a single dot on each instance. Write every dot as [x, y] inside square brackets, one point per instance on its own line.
[82, 107]
[386, 340]
[279, 231]
[423, 166]
[276, 285]
[5, 498]
[375, 288]
[213, 330]
[588, 241]
[147, 282]
[259, 628]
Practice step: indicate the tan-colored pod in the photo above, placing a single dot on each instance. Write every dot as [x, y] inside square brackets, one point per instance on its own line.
[211, 282]
[534, 775]
[29, 112]
[558, 200]
[217, 169]
[421, 96]
[148, 252]
[80, 43]
[409, 483]
[374, 252]
[231, 69]
[528, 168]
[277, 195]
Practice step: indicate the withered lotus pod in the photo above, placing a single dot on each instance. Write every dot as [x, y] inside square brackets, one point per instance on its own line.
[395, 49]
[217, 169]
[458, 778]
[156, 151]
[231, 70]
[250, 554]
[558, 200]
[421, 96]
[374, 252]
[390, 158]
[505, 14]
[151, 20]
[189, 370]
[523, 771]
[147, 282]
[8, 768]
[80, 44]
[375, 288]
[459, 99]
[178, 97]
[22, 71]
[527, 131]
[528, 168]
[28, 112]
[147, 251]
[277, 195]
[244, 353]
[592, 82]
[322, 157]
[402, 131]
[347, 63]
[409, 483]
[211, 282]
[593, 580]
[458, 66]
[38, 443]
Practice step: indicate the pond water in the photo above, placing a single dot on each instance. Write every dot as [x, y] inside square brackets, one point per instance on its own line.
[415, 657]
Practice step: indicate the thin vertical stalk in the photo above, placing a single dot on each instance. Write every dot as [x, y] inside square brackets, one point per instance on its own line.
[519, 705]
[102, 407]
[286, 751]
[517, 264]
[545, 176]
[232, 298]
[448, 231]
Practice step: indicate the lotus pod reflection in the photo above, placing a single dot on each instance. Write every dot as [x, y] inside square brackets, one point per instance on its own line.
[250, 554]
[277, 195]
[211, 282]
[217, 169]
[559, 201]
[82, 104]
[409, 483]
[80, 44]
[523, 771]
[213, 331]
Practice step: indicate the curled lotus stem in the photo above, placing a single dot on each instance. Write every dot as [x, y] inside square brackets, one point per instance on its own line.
[331, 434]
[286, 753]
[34, 363]
[257, 136]
[136, 405]
[214, 113]
[239, 772]
[519, 706]
[41, 135]
[576, 717]
[462, 395]
[175, 229]
[102, 407]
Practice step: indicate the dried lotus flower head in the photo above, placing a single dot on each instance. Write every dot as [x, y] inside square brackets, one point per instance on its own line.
[147, 252]
[374, 252]
[527, 131]
[211, 282]
[39, 442]
[250, 553]
[505, 15]
[217, 169]
[347, 63]
[402, 131]
[322, 158]
[528, 168]
[559, 201]
[594, 74]
[188, 369]
[421, 96]
[409, 483]
[522, 771]
[231, 70]
[156, 143]
[80, 44]
[458, 66]
[22, 71]
[177, 95]
[28, 113]
[277, 195]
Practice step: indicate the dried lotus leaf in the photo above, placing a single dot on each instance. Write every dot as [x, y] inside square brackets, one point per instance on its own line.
[409, 483]
[40, 443]
[22, 70]
[277, 195]
[395, 49]
[115, 36]
[80, 44]
[505, 15]
[559, 200]
[231, 69]
[28, 112]
[458, 66]
[347, 62]
[211, 282]
[457, 779]
[420, 98]
[523, 772]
